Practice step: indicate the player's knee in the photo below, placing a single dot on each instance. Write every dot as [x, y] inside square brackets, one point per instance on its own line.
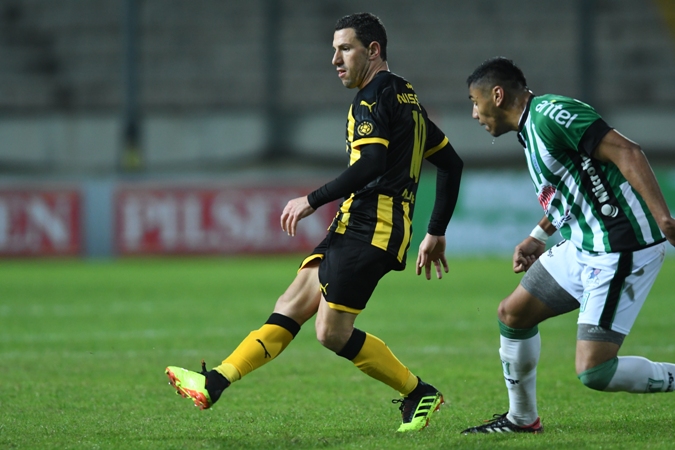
[331, 341]
[503, 313]
[321, 333]
[516, 313]
[507, 315]
[298, 307]
[598, 377]
[330, 338]
[283, 302]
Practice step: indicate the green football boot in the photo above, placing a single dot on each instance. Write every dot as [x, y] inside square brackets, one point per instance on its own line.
[190, 384]
[418, 406]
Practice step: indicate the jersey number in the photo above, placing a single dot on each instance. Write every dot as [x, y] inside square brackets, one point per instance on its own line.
[418, 146]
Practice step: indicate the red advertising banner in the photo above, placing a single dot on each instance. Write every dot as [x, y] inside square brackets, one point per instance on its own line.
[36, 222]
[209, 221]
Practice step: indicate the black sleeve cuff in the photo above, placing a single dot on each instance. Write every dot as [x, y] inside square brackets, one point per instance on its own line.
[593, 135]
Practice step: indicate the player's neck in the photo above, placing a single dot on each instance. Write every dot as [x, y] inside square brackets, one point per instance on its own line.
[375, 68]
[519, 106]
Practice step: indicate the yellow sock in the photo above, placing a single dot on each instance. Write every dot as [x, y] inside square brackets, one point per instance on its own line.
[376, 360]
[259, 347]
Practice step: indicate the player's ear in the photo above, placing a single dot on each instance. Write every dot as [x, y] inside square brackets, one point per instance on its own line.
[374, 50]
[498, 95]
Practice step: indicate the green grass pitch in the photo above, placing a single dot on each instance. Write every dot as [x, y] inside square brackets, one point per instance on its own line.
[83, 347]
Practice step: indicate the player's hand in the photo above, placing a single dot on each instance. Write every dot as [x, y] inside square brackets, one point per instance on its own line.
[432, 251]
[526, 254]
[668, 229]
[295, 209]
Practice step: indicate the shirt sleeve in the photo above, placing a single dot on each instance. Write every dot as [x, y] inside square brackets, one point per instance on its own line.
[371, 164]
[570, 124]
[436, 139]
[593, 135]
[372, 117]
[449, 168]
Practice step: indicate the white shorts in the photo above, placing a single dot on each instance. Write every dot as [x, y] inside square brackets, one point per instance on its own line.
[610, 288]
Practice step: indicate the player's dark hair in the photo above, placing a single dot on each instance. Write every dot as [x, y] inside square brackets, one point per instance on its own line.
[498, 71]
[368, 28]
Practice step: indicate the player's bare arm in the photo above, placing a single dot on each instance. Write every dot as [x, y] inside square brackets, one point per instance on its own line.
[527, 252]
[295, 210]
[633, 164]
[432, 251]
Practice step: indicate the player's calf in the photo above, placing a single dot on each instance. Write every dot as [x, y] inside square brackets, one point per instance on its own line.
[632, 374]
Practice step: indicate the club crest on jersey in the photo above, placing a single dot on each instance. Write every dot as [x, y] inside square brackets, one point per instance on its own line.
[365, 128]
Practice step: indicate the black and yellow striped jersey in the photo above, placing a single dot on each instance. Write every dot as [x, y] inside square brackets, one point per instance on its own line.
[387, 112]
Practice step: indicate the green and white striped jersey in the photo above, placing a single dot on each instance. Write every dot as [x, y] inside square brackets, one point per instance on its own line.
[590, 202]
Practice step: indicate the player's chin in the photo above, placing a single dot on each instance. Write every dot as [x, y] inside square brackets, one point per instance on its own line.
[496, 132]
[348, 83]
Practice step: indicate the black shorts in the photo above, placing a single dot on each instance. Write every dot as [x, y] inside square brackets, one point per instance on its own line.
[349, 271]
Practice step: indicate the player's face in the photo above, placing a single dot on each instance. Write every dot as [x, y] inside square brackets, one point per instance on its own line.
[487, 112]
[350, 58]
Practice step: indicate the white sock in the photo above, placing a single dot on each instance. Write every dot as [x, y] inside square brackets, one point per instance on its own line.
[639, 375]
[519, 363]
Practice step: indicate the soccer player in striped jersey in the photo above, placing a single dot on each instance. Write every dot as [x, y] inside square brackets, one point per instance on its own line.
[597, 188]
[388, 136]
